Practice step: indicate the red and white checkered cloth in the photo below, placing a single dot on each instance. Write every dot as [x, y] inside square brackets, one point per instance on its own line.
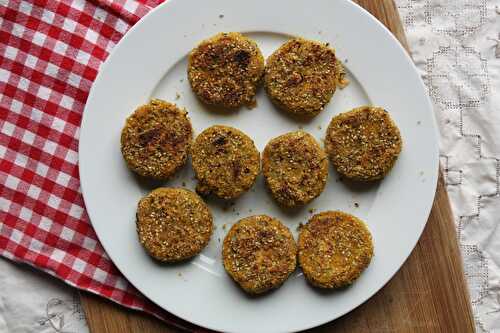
[50, 53]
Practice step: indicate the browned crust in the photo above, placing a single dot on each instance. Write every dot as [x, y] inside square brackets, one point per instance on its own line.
[364, 143]
[259, 253]
[301, 76]
[295, 168]
[173, 224]
[334, 249]
[156, 139]
[225, 161]
[224, 70]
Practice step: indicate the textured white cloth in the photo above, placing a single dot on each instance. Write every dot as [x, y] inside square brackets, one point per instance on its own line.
[455, 46]
[34, 302]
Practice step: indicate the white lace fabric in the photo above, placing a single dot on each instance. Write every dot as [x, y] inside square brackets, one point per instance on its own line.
[456, 47]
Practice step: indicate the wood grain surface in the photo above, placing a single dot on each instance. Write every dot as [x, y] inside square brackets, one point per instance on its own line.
[428, 294]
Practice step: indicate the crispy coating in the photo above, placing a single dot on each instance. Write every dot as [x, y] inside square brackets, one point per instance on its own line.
[224, 71]
[156, 139]
[334, 249]
[301, 76]
[364, 143]
[225, 161]
[259, 253]
[295, 168]
[173, 224]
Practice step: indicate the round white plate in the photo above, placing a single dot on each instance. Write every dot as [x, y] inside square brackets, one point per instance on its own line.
[150, 61]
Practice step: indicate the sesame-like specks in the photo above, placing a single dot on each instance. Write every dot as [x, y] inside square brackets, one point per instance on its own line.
[156, 139]
[302, 75]
[225, 161]
[259, 253]
[173, 224]
[334, 248]
[295, 168]
[225, 70]
[364, 143]
[341, 79]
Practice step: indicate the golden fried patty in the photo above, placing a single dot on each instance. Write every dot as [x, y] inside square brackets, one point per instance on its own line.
[224, 70]
[334, 249]
[295, 168]
[364, 143]
[156, 139]
[173, 224]
[225, 161]
[259, 253]
[301, 76]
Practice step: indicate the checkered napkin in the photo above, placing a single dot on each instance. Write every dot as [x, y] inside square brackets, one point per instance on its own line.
[50, 53]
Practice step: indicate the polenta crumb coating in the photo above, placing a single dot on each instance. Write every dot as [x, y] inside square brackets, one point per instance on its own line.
[334, 248]
[225, 161]
[173, 224]
[302, 75]
[224, 71]
[364, 143]
[295, 168]
[259, 253]
[156, 138]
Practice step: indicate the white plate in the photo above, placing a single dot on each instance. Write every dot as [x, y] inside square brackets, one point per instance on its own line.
[150, 61]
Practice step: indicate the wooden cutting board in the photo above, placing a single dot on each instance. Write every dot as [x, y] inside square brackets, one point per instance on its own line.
[428, 294]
